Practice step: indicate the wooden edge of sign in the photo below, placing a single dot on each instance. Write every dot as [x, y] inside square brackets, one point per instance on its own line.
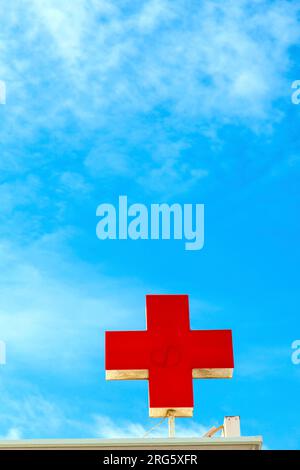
[212, 373]
[133, 374]
[142, 374]
[176, 412]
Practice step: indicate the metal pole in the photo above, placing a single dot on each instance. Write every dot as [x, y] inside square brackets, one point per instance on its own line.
[171, 422]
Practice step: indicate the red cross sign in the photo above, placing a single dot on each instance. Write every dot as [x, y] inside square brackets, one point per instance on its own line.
[169, 355]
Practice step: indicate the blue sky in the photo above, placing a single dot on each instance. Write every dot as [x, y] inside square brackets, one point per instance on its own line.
[162, 101]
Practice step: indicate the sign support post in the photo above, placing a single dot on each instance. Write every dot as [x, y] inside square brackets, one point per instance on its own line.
[171, 423]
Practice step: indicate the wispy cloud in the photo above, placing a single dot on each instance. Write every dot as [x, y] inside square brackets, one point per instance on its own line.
[105, 427]
[31, 415]
[26, 413]
[142, 96]
[210, 64]
[261, 362]
[52, 319]
[12, 434]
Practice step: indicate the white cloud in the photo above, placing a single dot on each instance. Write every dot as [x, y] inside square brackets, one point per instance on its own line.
[18, 193]
[103, 161]
[109, 65]
[105, 427]
[12, 434]
[28, 414]
[262, 362]
[74, 182]
[51, 318]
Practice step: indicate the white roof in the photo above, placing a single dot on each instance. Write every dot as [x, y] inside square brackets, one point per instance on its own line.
[220, 443]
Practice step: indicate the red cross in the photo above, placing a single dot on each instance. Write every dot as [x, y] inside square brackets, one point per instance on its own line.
[169, 354]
